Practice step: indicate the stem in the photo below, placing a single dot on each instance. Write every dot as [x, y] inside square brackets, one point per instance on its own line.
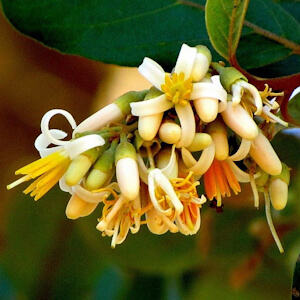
[270, 222]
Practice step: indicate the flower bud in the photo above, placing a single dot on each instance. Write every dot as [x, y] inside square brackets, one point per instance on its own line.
[229, 76]
[170, 132]
[201, 64]
[113, 112]
[77, 207]
[80, 166]
[149, 125]
[240, 121]
[278, 188]
[264, 155]
[102, 169]
[218, 132]
[207, 108]
[127, 169]
[200, 142]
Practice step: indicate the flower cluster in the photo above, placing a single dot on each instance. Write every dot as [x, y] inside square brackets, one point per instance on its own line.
[143, 156]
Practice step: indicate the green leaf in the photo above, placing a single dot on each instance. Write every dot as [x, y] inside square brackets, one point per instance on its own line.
[294, 107]
[271, 31]
[224, 22]
[116, 31]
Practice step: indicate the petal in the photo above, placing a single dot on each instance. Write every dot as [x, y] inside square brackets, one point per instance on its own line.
[151, 188]
[255, 94]
[202, 165]
[171, 169]
[93, 197]
[45, 125]
[153, 72]
[208, 90]
[42, 142]
[185, 60]
[242, 152]
[151, 107]
[187, 123]
[82, 144]
[143, 171]
[240, 175]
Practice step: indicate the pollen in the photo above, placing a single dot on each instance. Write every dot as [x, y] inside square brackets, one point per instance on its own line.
[177, 89]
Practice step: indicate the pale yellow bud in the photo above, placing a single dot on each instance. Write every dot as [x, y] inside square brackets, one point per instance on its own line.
[278, 190]
[148, 126]
[170, 132]
[218, 132]
[77, 207]
[200, 142]
[128, 177]
[207, 108]
[77, 169]
[240, 121]
[265, 156]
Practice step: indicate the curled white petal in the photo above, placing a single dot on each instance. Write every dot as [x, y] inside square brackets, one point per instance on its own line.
[42, 142]
[187, 123]
[45, 125]
[153, 72]
[236, 94]
[82, 144]
[223, 101]
[160, 179]
[255, 94]
[143, 171]
[240, 175]
[185, 60]
[94, 197]
[151, 106]
[242, 152]
[202, 165]
[208, 90]
[169, 168]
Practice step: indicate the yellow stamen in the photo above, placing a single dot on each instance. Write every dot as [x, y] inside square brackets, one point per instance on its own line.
[49, 169]
[177, 89]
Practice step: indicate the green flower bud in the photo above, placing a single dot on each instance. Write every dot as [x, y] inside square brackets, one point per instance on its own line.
[125, 149]
[228, 76]
[103, 168]
[123, 102]
[81, 164]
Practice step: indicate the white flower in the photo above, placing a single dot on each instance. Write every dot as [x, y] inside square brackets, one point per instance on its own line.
[178, 89]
